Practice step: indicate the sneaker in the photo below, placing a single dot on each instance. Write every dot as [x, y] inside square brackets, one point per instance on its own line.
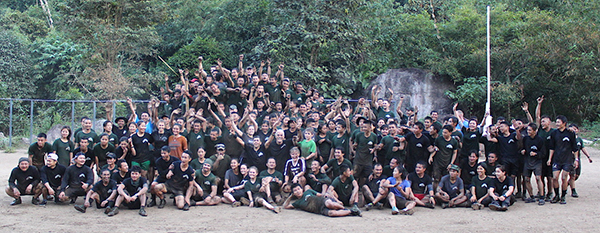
[277, 209]
[49, 197]
[162, 203]
[549, 197]
[80, 208]
[355, 208]
[35, 201]
[73, 200]
[245, 201]
[113, 212]
[563, 200]
[44, 202]
[518, 195]
[541, 201]
[495, 206]
[236, 204]
[107, 210]
[529, 200]
[429, 205]
[186, 207]
[408, 212]
[143, 212]
[445, 205]
[354, 212]
[556, 199]
[368, 206]
[379, 206]
[476, 206]
[16, 201]
[152, 203]
[574, 194]
[395, 210]
[503, 208]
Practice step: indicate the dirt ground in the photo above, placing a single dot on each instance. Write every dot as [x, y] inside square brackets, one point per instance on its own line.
[579, 215]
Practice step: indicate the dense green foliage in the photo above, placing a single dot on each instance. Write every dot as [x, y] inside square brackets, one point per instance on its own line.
[108, 49]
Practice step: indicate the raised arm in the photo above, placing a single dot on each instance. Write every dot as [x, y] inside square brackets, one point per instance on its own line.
[538, 110]
[525, 108]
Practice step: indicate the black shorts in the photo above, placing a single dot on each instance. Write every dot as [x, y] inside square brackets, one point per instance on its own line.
[175, 190]
[439, 171]
[512, 167]
[400, 202]
[537, 170]
[568, 167]
[238, 194]
[198, 197]
[362, 171]
[546, 170]
[133, 205]
[75, 192]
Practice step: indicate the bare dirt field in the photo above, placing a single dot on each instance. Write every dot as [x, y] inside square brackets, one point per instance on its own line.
[579, 215]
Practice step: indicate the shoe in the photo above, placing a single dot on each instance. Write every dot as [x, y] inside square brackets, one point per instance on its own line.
[503, 208]
[152, 203]
[44, 202]
[49, 197]
[549, 197]
[379, 206]
[113, 212]
[192, 203]
[236, 204]
[429, 205]
[186, 207]
[395, 210]
[162, 203]
[574, 194]
[16, 201]
[445, 205]
[245, 201]
[476, 206]
[529, 200]
[270, 200]
[541, 201]
[355, 208]
[277, 209]
[518, 195]
[354, 212]
[495, 206]
[35, 201]
[73, 200]
[143, 212]
[563, 200]
[107, 210]
[408, 212]
[556, 199]
[368, 206]
[80, 208]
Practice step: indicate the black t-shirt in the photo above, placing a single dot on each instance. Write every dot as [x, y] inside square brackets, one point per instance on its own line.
[21, 179]
[160, 140]
[253, 157]
[118, 178]
[481, 186]
[75, 176]
[501, 186]
[53, 176]
[536, 145]
[162, 166]
[374, 184]
[105, 190]
[89, 156]
[180, 178]
[119, 132]
[133, 187]
[467, 172]
[470, 141]
[420, 185]
[142, 147]
[564, 144]
[417, 149]
[509, 148]
[281, 152]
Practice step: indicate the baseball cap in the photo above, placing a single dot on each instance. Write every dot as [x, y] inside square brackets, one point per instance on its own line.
[53, 156]
[220, 146]
[455, 167]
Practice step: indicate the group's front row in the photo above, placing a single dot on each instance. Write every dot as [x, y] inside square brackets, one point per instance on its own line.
[314, 193]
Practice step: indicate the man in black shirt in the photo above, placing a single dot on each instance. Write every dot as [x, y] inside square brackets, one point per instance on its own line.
[51, 176]
[372, 190]
[533, 150]
[422, 187]
[24, 180]
[419, 146]
[162, 168]
[77, 181]
[123, 172]
[502, 190]
[103, 193]
[563, 157]
[180, 182]
[133, 192]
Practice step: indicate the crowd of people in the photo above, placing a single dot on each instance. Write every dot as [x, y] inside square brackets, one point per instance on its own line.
[249, 137]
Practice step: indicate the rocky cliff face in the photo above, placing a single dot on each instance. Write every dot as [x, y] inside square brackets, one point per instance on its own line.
[419, 87]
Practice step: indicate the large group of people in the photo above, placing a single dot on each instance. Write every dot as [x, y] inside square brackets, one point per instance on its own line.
[247, 137]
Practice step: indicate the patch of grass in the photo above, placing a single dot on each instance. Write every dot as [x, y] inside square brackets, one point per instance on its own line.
[591, 131]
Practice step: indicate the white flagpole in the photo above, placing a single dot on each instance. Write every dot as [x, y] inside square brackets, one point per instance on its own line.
[488, 120]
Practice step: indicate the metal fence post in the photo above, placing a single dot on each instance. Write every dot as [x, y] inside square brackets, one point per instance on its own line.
[31, 123]
[72, 115]
[94, 118]
[10, 128]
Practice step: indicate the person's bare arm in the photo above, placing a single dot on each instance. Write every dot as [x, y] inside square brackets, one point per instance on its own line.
[201, 68]
[525, 108]
[168, 89]
[132, 109]
[538, 110]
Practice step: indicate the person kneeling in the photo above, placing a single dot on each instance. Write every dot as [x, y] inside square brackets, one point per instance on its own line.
[103, 193]
[205, 187]
[133, 192]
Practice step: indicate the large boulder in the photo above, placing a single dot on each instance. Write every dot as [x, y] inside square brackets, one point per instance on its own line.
[419, 87]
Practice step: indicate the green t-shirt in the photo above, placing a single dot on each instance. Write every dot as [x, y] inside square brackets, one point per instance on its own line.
[343, 142]
[276, 174]
[363, 154]
[317, 185]
[100, 153]
[335, 167]
[252, 187]
[307, 148]
[63, 150]
[91, 136]
[343, 189]
[205, 182]
[303, 202]
[382, 114]
[197, 165]
[195, 141]
[220, 170]
[445, 150]
[39, 153]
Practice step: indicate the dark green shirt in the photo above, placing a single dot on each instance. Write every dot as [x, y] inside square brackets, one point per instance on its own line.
[343, 189]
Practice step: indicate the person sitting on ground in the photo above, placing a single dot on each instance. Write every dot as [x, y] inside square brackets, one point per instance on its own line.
[501, 191]
[314, 202]
[180, 182]
[422, 187]
[294, 170]
[104, 193]
[345, 188]
[162, 168]
[256, 192]
[234, 194]
[451, 191]
[398, 192]
[372, 190]
[272, 181]
[78, 180]
[51, 176]
[333, 165]
[480, 184]
[317, 180]
[205, 187]
[24, 180]
[133, 192]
